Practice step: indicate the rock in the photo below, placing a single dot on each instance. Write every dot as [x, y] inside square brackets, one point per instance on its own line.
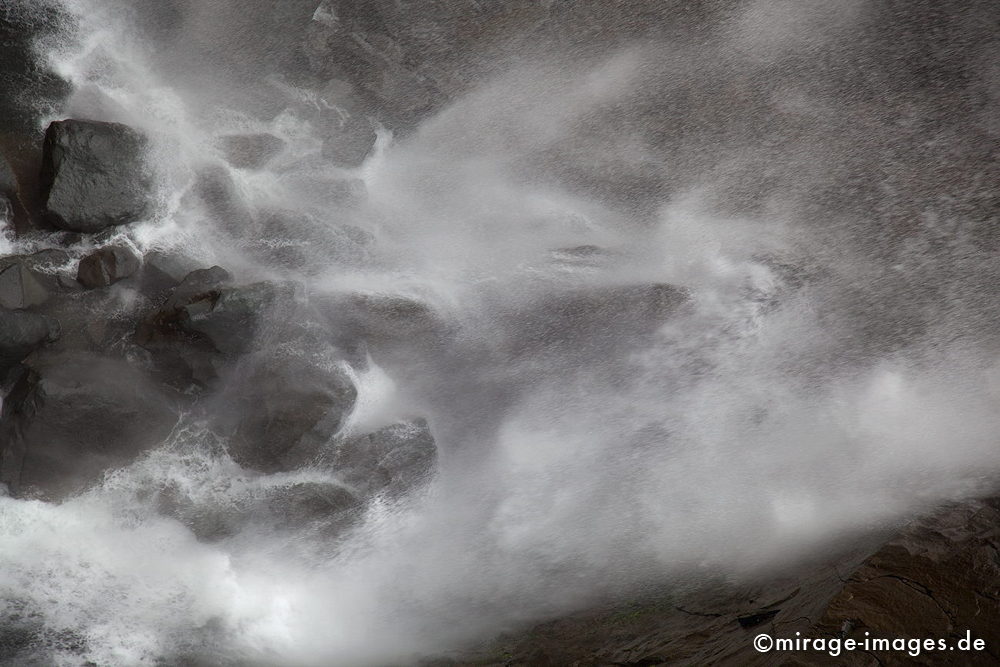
[94, 175]
[21, 333]
[48, 259]
[307, 502]
[19, 288]
[172, 264]
[153, 283]
[205, 325]
[184, 358]
[276, 401]
[382, 318]
[197, 284]
[231, 318]
[939, 577]
[250, 151]
[396, 457]
[367, 47]
[73, 416]
[321, 505]
[107, 266]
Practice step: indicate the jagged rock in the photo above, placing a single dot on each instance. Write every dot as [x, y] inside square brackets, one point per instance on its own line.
[276, 401]
[21, 333]
[19, 288]
[94, 175]
[107, 266]
[250, 151]
[73, 416]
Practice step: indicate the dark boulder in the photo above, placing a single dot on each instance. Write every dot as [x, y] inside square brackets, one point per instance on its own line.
[19, 287]
[107, 266]
[396, 457]
[21, 333]
[282, 406]
[73, 416]
[205, 325]
[232, 318]
[250, 151]
[185, 359]
[197, 284]
[94, 175]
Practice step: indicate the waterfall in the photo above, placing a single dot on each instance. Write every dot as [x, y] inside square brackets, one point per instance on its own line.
[680, 294]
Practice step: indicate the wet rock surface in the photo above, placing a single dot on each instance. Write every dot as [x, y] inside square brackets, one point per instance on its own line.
[19, 288]
[23, 332]
[107, 266]
[276, 401]
[73, 416]
[94, 175]
[395, 458]
[936, 579]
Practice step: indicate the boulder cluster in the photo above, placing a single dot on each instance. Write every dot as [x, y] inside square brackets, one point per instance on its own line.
[104, 351]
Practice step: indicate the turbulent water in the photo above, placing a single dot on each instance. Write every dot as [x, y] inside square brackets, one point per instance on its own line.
[812, 182]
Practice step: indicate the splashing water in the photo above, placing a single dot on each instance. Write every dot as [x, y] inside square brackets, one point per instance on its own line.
[810, 381]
